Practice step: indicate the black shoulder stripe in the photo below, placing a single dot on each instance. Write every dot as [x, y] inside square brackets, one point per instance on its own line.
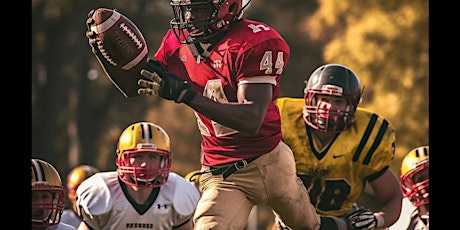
[365, 137]
[376, 143]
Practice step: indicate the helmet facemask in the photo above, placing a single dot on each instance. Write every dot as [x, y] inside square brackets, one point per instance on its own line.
[415, 189]
[331, 80]
[137, 141]
[328, 119]
[141, 176]
[47, 211]
[200, 20]
[47, 194]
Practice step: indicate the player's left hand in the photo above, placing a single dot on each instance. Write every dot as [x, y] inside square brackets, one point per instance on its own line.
[165, 84]
[363, 219]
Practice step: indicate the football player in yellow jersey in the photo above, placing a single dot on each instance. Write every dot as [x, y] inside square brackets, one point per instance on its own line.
[339, 147]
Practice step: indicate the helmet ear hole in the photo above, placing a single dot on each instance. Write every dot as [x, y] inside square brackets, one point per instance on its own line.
[232, 8]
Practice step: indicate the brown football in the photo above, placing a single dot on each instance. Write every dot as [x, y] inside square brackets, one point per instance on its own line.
[119, 40]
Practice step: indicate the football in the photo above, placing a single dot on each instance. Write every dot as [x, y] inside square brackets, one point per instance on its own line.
[119, 40]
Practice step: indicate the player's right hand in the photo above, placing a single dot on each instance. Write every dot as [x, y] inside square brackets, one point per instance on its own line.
[165, 84]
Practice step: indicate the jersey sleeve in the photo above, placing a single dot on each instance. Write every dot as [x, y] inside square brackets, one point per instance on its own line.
[96, 195]
[261, 55]
[62, 226]
[291, 113]
[168, 46]
[93, 196]
[376, 148]
[263, 61]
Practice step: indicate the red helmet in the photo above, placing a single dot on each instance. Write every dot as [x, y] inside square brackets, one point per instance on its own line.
[143, 137]
[333, 80]
[198, 20]
[414, 179]
[47, 194]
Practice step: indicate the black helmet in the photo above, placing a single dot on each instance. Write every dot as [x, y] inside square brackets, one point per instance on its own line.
[333, 80]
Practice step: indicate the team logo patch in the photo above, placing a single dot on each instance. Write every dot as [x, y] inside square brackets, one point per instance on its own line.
[217, 64]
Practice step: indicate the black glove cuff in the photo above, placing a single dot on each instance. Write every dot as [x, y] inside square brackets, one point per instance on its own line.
[186, 96]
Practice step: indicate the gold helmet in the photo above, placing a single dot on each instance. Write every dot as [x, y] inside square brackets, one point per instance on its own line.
[414, 177]
[76, 176]
[143, 137]
[47, 194]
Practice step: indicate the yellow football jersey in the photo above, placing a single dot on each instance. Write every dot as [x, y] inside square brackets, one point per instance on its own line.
[337, 175]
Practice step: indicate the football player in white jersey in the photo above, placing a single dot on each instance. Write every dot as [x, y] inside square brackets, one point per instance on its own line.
[403, 221]
[142, 193]
[415, 185]
[74, 179]
[47, 197]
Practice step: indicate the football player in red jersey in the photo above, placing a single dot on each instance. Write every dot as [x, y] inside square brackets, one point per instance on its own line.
[339, 147]
[227, 69]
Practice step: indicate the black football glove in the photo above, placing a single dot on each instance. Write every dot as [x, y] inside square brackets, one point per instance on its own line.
[165, 84]
[363, 219]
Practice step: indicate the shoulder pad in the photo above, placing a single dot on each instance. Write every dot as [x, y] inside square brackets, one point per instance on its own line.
[186, 199]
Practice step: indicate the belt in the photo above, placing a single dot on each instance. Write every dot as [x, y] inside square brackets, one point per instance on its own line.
[227, 171]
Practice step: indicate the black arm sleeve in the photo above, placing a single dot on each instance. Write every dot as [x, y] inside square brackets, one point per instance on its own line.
[329, 223]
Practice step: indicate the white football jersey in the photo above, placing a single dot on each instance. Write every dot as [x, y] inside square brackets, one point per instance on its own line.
[69, 217]
[105, 205]
[60, 226]
[405, 215]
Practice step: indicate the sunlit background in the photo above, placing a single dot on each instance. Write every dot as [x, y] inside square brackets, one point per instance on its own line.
[77, 114]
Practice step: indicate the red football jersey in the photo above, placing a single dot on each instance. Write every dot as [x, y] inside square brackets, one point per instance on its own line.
[251, 52]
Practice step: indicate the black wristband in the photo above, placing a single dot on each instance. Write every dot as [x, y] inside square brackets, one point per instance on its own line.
[186, 96]
[328, 224]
